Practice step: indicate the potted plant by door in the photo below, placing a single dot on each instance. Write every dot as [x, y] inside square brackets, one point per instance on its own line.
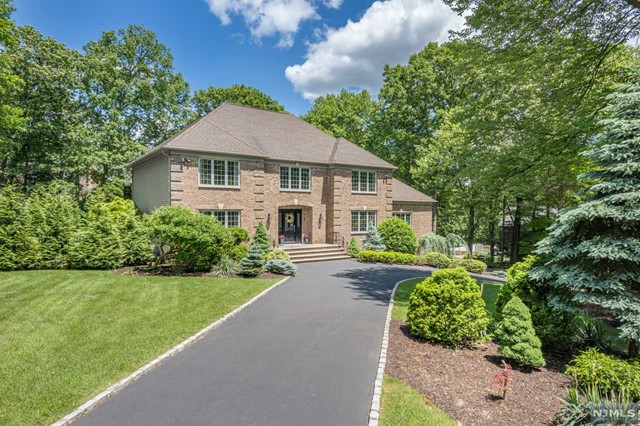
[305, 238]
[280, 239]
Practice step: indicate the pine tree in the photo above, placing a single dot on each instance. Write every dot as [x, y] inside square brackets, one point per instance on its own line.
[516, 336]
[373, 239]
[353, 248]
[593, 249]
[253, 264]
[261, 238]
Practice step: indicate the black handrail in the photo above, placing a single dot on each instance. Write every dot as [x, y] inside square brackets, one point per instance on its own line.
[338, 239]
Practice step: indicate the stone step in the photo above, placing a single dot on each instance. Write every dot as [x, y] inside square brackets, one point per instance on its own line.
[316, 254]
[322, 251]
[322, 258]
[309, 248]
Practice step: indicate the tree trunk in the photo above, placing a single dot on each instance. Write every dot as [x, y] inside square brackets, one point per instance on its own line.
[492, 240]
[515, 236]
[634, 349]
[471, 229]
[502, 237]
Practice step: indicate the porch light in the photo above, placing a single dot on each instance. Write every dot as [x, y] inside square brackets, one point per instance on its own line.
[320, 217]
[268, 217]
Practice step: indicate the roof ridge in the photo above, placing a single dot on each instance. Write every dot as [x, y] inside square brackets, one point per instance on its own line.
[235, 137]
[252, 107]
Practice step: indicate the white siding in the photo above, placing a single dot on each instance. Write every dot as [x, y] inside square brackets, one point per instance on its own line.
[150, 183]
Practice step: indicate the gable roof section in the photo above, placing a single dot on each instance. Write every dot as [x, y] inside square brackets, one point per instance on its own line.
[404, 193]
[246, 131]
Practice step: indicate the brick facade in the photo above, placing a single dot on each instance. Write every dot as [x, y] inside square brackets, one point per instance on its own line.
[421, 216]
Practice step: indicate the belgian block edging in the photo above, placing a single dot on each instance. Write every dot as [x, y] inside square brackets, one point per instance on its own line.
[113, 389]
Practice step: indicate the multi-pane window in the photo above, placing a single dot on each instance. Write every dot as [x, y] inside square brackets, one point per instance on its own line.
[363, 181]
[226, 217]
[295, 178]
[360, 220]
[404, 216]
[219, 172]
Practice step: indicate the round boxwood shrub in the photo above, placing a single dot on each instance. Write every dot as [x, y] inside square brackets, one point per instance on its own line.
[474, 266]
[516, 336]
[447, 308]
[398, 236]
[435, 259]
[609, 373]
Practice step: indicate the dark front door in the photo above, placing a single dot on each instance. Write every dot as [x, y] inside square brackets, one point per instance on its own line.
[291, 225]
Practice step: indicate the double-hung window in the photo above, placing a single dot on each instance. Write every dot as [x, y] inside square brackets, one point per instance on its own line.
[363, 182]
[360, 221]
[223, 173]
[404, 216]
[226, 217]
[295, 178]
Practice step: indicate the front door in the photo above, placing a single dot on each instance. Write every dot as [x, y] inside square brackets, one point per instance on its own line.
[290, 225]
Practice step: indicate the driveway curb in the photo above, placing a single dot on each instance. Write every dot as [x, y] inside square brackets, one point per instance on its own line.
[113, 389]
[374, 414]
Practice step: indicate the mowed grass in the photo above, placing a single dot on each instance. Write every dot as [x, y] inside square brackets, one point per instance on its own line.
[67, 335]
[401, 301]
[403, 406]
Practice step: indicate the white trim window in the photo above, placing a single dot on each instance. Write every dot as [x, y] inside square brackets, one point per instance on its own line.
[360, 221]
[363, 182]
[218, 173]
[404, 216]
[295, 178]
[227, 217]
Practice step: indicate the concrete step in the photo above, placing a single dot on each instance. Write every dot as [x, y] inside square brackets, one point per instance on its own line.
[310, 248]
[315, 253]
[312, 254]
[322, 258]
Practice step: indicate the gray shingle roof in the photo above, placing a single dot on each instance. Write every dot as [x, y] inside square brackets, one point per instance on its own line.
[240, 130]
[403, 192]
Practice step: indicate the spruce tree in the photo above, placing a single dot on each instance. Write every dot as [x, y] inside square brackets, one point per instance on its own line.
[593, 249]
[353, 248]
[261, 238]
[253, 263]
[516, 336]
[373, 239]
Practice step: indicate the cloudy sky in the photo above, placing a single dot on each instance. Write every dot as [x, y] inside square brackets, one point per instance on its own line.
[294, 50]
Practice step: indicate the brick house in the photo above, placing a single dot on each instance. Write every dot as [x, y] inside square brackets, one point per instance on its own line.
[246, 165]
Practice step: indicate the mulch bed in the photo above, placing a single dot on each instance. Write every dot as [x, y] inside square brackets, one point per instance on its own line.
[460, 381]
[169, 272]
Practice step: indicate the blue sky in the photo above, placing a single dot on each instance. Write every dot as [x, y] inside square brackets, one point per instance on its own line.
[293, 50]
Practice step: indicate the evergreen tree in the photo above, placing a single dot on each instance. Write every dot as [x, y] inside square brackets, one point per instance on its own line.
[19, 247]
[353, 248]
[260, 238]
[373, 239]
[516, 336]
[593, 249]
[253, 264]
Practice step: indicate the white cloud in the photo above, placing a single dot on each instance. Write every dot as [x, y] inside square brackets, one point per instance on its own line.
[267, 17]
[332, 4]
[355, 55]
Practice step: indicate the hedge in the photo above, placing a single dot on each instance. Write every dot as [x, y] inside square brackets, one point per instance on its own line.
[371, 256]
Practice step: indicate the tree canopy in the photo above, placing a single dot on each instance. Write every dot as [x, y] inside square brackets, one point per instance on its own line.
[209, 99]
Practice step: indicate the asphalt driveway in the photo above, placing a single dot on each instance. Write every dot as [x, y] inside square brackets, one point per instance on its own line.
[305, 354]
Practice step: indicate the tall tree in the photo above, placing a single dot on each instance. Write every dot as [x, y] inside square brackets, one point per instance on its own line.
[133, 96]
[209, 99]
[347, 115]
[593, 249]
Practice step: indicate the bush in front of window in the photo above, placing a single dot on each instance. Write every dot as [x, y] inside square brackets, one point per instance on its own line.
[260, 238]
[253, 263]
[397, 235]
[190, 241]
[373, 240]
[353, 248]
[239, 252]
[239, 234]
[281, 267]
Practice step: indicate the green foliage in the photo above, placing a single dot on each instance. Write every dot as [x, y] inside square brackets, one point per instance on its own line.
[435, 259]
[281, 266]
[582, 401]
[518, 284]
[393, 258]
[226, 267]
[239, 251]
[593, 249]
[209, 99]
[10, 83]
[373, 240]
[253, 263]
[474, 266]
[277, 254]
[18, 245]
[430, 242]
[260, 238]
[397, 235]
[195, 241]
[448, 308]
[111, 236]
[238, 234]
[354, 248]
[516, 336]
[593, 368]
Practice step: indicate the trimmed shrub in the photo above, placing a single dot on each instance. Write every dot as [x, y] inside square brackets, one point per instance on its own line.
[370, 256]
[373, 240]
[261, 238]
[354, 248]
[253, 263]
[192, 241]
[239, 251]
[18, 245]
[112, 235]
[516, 336]
[473, 266]
[435, 259]
[282, 267]
[398, 236]
[277, 254]
[238, 235]
[593, 368]
[447, 308]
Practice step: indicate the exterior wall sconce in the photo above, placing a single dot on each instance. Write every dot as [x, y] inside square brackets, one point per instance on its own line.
[268, 217]
[320, 217]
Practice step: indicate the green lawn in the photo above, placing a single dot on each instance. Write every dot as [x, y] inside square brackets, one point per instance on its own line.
[401, 301]
[67, 335]
[403, 406]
